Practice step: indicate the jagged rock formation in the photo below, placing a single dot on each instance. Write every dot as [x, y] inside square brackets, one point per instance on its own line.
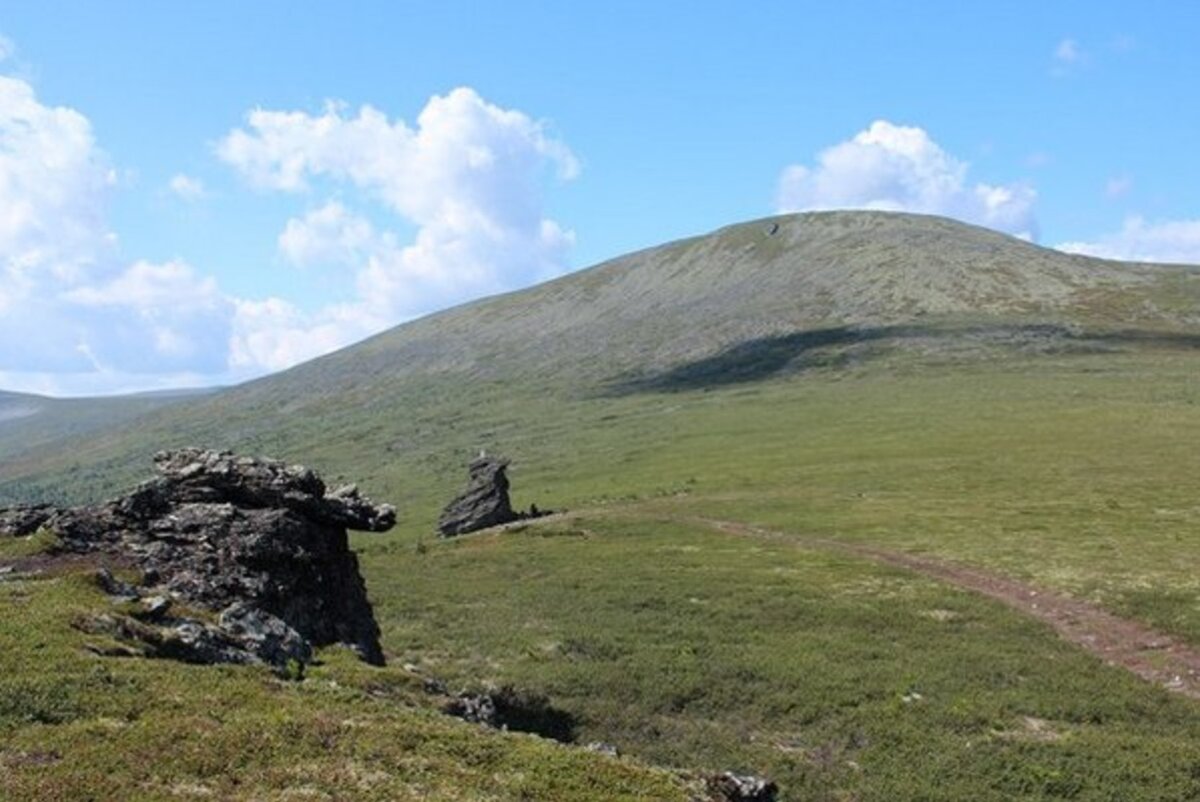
[23, 519]
[485, 502]
[257, 541]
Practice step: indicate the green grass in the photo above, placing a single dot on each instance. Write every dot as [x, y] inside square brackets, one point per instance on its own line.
[75, 726]
[843, 680]
[690, 648]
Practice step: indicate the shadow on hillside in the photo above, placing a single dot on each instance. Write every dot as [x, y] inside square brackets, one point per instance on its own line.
[836, 347]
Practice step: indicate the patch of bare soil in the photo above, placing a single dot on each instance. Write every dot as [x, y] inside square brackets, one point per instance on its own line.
[1152, 655]
[57, 564]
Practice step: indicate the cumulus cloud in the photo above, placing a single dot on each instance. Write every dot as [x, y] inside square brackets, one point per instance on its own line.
[900, 168]
[187, 187]
[53, 189]
[73, 315]
[77, 316]
[468, 176]
[1142, 241]
[328, 235]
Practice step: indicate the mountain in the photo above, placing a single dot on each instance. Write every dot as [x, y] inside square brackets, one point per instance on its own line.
[830, 290]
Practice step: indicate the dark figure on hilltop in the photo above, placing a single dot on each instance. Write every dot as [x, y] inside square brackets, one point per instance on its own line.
[485, 502]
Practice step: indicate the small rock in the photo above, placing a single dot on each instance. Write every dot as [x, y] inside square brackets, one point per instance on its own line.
[602, 748]
[730, 787]
[113, 586]
[477, 708]
[267, 636]
[155, 607]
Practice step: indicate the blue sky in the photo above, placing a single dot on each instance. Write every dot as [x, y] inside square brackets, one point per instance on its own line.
[194, 194]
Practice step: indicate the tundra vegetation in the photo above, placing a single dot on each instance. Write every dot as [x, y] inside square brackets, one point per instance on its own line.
[892, 381]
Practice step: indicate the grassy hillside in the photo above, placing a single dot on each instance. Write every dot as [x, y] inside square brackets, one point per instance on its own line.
[32, 424]
[772, 297]
[897, 381]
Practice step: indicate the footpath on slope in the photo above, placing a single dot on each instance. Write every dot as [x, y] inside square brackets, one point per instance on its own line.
[1152, 655]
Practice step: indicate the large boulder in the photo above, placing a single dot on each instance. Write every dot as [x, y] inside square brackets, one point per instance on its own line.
[260, 543]
[484, 503]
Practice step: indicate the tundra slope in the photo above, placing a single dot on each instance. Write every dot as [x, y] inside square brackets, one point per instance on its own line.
[749, 301]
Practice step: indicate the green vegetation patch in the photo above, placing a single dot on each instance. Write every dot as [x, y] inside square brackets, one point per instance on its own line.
[840, 679]
[75, 726]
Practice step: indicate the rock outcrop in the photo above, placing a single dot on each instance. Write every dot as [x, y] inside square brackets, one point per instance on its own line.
[485, 502]
[258, 542]
[24, 519]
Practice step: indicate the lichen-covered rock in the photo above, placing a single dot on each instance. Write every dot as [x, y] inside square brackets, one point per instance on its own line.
[23, 519]
[508, 708]
[485, 502]
[257, 541]
[730, 787]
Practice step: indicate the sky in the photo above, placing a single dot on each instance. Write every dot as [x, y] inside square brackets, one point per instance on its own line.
[200, 194]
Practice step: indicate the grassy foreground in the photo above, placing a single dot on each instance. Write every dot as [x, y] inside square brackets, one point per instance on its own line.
[841, 679]
[75, 726]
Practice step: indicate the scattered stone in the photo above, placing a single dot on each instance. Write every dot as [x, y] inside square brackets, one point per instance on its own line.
[476, 708]
[24, 519]
[602, 748]
[270, 638]
[113, 586]
[154, 608]
[255, 540]
[730, 787]
[485, 502]
[511, 709]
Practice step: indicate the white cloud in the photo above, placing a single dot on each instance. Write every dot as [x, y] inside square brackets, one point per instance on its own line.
[187, 187]
[273, 334]
[53, 188]
[899, 168]
[328, 235]
[468, 176]
[1068, 51]
[1118, 186]
[7, 49]
[75, 316]
[1140, 241]
[69, 307]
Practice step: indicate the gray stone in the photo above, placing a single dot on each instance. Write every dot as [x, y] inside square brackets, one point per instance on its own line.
[113, 586]
[24, 519]
[732, 787]
[485, 502]
[256, 540]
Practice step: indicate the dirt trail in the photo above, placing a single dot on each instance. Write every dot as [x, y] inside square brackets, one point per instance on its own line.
[1153, 656]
